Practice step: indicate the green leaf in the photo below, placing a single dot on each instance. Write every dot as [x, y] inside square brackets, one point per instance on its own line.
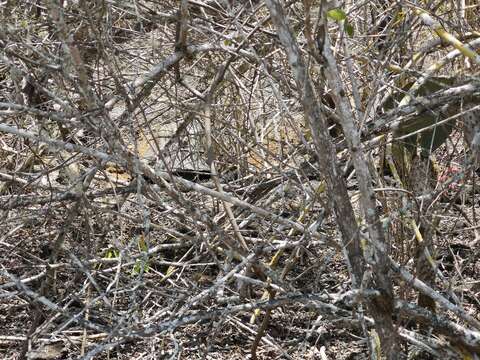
[112, 253]
[427, 140]
[139, 265]
[142, 245]
[432, 139]
[337, 14]
[348, 28]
